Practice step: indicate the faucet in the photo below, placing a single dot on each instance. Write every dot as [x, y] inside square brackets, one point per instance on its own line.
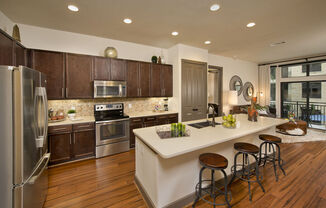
[211, 106]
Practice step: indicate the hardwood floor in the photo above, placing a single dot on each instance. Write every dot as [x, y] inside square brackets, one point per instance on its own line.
[109, 182]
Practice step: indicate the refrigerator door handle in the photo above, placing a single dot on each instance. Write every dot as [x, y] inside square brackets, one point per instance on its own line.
[40, 139]
[39, 170]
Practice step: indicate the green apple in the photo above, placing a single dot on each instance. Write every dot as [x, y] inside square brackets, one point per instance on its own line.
[224, 118]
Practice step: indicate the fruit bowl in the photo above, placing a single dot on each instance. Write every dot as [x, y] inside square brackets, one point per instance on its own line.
[229, 121]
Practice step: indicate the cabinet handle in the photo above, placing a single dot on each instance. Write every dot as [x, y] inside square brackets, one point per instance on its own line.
[74, 139]
[149, 119]
[70, 139]
[138, 94]
[84, 126]
[62, 93]
[66, 92]
[59, 129]
[139, 91]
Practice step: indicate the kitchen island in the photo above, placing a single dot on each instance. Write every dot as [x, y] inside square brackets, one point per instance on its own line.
[167, 169]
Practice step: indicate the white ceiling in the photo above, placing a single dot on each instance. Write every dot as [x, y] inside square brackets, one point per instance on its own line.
[301, 23]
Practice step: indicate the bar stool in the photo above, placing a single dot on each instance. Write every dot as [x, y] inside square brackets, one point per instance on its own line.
[270, 141]
[245, 171]
[212, 162]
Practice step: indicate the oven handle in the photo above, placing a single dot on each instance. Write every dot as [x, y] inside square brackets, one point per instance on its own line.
[113, 121]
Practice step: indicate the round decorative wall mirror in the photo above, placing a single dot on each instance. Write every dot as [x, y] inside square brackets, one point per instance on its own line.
[236, 84]
[248, 91]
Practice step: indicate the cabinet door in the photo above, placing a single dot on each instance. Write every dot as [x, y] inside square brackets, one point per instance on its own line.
[156, 88]
[167, 78]
[59, 147]
[79, 76]
[118, 70]
[20, 55]
[101, 68]
[144, 79]
[132, 135]
[6, 49]
[132, 79]
[52, 64]
[83, 144]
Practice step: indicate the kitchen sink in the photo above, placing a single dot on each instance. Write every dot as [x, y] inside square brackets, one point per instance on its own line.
[202, 124]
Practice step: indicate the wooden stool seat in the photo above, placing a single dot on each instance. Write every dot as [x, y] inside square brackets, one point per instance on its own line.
[246, 147]
[270, 138]
[212, 160]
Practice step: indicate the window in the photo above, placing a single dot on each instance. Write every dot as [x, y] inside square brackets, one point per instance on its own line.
[273, 87]
[315, 90]
[314, 67]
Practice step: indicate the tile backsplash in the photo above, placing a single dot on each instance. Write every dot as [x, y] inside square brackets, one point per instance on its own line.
[85, 107]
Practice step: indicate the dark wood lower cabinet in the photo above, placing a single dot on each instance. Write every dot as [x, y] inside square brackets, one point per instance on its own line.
[71, 142]
[59, 147]
[140, 122]
[84, 144]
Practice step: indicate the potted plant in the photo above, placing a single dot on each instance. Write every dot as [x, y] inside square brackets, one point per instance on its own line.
[71, 113]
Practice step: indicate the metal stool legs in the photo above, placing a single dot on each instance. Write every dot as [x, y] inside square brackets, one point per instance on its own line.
[271, 158]
[246, 171]
[212, 188]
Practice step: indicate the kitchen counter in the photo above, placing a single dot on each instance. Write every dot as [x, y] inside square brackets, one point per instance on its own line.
[87, 119]
[84, 119]
[204, 137]
[149, 113]
[167, 170]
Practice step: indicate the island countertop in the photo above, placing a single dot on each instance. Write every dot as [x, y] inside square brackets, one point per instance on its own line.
[204, 137]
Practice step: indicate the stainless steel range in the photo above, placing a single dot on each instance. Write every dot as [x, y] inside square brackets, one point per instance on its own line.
[112, 129]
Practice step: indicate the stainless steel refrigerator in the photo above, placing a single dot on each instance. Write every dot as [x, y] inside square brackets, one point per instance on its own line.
[23, 138]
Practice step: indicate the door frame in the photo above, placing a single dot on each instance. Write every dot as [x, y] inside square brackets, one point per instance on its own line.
[220, 86]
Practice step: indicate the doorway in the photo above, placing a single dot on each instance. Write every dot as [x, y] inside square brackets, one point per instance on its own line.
[214, 89]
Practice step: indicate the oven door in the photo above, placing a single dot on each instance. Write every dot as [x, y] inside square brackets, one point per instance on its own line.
[109, 89]
[108, 132]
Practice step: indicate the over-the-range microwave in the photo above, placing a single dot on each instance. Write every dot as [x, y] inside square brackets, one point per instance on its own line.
[109, 89]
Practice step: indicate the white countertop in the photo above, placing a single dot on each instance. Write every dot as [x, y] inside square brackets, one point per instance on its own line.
[202, 138]
[87, 119]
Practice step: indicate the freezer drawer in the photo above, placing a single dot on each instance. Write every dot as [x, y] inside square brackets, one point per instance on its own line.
[32, 194]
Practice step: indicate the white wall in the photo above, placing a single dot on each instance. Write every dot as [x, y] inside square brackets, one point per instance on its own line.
[56, 40]
[6, 24]
[247, 71]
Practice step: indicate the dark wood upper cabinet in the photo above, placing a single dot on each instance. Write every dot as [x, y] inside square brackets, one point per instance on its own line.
[6, 49]
[20, 55]
[118, 70]
[167, 79]
[138, 79]
[144, 79]
[132, 79]
[156, 87]
[101, 68]
[52, 64]
[79, 76]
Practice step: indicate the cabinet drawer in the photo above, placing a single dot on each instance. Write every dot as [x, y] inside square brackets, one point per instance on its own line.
[83, 126]
[173, 116]
[60, 129]
[136, 120]
[151, 118]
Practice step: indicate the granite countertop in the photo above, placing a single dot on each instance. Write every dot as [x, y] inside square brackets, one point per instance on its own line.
[87, 119]
[204, 137]
[149, 113]
[83, 119]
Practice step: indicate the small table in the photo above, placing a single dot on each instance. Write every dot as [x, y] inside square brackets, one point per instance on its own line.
[293, 125]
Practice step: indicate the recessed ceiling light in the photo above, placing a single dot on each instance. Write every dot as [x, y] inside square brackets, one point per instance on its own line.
[215, 7]
[251, 24]
[277, 43]
[175, 33]
[207, 42]
[73, 8]
[127, 21]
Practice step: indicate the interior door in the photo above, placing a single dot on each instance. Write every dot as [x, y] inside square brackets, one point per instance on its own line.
[194, 90]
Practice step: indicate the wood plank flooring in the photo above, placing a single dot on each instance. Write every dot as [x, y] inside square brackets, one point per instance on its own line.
[109, 182]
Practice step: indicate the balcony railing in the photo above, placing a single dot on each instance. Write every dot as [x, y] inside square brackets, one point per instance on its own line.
[315, 114]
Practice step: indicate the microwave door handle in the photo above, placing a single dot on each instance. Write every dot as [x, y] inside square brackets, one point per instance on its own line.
[120, 90]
